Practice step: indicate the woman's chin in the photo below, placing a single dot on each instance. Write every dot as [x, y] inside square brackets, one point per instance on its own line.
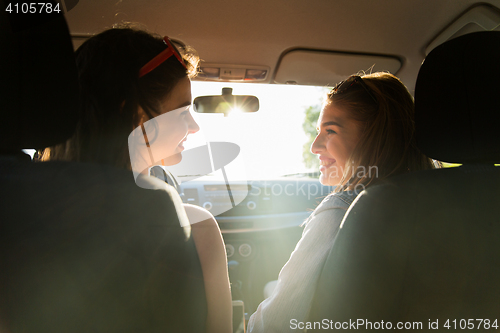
[324, 179]
[173, 159]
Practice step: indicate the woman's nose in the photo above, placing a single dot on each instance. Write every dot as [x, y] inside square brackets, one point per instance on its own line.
[192, 125]
[317, 145]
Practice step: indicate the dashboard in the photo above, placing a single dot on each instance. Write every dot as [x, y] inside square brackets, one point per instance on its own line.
[260, 222]
[250, 206]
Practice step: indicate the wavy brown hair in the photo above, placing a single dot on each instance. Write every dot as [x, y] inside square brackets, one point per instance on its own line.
[111, 93]
[387, 143]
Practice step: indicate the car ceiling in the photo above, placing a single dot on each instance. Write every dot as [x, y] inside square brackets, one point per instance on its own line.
[258, 32]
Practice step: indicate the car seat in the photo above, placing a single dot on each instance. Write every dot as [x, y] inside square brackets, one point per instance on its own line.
[82, 247]
[424, 247]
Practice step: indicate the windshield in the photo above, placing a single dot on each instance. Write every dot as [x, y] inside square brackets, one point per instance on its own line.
[272, 140]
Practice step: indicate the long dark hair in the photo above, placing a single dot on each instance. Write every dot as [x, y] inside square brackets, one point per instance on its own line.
[112, 92]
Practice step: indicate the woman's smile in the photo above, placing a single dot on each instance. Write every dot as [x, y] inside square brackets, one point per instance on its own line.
[181, 144]
[325, 163]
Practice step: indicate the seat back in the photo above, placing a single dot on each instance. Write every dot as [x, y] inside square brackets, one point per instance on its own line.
[82, 247]
[422, 248]
[39, 83]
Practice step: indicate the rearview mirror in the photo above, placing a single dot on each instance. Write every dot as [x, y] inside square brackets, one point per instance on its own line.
[226, 103]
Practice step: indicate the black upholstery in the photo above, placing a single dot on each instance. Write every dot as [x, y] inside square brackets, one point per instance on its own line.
[39, 83]
[457, 100]
[425, 246]
[82, 247]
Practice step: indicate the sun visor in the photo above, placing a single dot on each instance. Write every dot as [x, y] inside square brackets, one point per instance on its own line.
[478, 18]
[326, 68]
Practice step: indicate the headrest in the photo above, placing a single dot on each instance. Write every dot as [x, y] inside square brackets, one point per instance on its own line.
[457, 100]
[39, 81]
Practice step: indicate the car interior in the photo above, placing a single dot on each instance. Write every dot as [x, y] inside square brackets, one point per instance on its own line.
[429, 240]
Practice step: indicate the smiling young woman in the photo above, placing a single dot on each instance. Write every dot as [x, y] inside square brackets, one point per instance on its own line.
[128, 78]
[365, 134]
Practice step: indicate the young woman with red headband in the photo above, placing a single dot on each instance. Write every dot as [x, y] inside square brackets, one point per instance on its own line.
[127, 77]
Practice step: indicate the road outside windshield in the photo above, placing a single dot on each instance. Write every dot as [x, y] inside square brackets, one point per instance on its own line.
[272, 139]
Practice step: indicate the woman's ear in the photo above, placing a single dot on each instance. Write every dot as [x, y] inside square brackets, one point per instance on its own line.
[141, 116]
